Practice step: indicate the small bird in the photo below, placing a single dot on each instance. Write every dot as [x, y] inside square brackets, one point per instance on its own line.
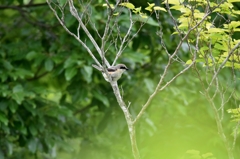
[115, 72]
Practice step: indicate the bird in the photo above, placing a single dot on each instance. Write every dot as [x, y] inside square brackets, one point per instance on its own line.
[115, 72]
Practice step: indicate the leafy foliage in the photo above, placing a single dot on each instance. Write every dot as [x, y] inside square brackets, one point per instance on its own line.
[54, 105]
[215, 37]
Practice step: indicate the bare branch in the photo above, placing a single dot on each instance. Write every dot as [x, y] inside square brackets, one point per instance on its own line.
[128, 117]
[74, 12]
[75, 36]
[171, 58]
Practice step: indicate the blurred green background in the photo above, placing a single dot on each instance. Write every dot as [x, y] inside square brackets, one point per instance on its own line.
[53, 104]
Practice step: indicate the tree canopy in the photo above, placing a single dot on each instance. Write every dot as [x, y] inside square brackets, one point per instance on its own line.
[180, 94]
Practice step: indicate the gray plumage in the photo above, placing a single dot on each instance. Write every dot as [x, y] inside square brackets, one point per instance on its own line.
[115, 72]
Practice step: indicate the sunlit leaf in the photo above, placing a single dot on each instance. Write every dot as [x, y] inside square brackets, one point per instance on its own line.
[235, 111]
[189, 62]
[199, 15]
[233, 24]
[159, 8]
[149, 9]
[226, 6]
[128, 5]
[231, 1]
[137, 10]
[182, 9]
[106, 5]
[150, 6]
[215, 30]
[220, 47]
[236, 11]
[144, 16]
[175, 2]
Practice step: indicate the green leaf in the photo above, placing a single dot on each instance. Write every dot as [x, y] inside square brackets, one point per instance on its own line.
[32, 145]
[33, 130]
[149, 84]
[87, 73]
[7, 65]
[3, 119]
[18, 88]
[3, 105]
[13, 106]
[3, 75]
[149, 20]
[9, 148]
[221, 47]
[22, 73]
[4, 90]
[49, 64]
[70, 73]
[18, 93]
[101, 97]
[62, 2]
[31, 55]
[137, 57]
[71, 61]
[1, 154]
[65, 111]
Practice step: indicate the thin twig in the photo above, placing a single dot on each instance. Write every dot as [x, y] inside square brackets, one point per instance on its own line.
[223, 63]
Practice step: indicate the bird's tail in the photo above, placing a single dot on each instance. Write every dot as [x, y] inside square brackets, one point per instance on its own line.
[97, 67]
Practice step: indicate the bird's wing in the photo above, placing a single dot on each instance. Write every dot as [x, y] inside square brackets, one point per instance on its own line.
[111, 69]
